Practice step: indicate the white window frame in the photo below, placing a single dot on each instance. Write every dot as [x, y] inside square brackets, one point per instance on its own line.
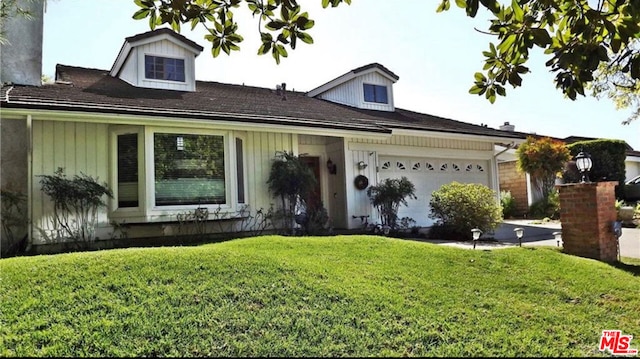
[113, 143]
[243, 137]
[147, 211]
[144, 68]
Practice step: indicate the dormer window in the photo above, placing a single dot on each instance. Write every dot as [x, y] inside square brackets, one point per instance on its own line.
[164, 68]
[375, 93]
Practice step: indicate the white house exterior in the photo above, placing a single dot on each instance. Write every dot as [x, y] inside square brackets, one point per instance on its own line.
[113, 125]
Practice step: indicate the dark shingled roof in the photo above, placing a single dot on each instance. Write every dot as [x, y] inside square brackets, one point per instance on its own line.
[376, 65]
[92, 90]
[161, 31]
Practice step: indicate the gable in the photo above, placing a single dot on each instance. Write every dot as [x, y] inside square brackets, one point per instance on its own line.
[369, 87]
[159, 59]
[351, 93]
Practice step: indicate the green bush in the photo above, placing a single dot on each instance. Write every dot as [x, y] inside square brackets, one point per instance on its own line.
[546, 207]
[76, 202]
[508, 203]
[608, 158]
[461, 207]
[387, 197]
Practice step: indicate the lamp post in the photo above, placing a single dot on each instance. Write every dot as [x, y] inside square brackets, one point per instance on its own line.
[558, 236]
[519, 233]
[476, 235]
[584, 163]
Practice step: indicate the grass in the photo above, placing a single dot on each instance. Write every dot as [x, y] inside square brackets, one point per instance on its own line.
[314, 296]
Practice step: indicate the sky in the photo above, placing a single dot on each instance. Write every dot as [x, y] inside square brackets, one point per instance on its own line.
[434, 54]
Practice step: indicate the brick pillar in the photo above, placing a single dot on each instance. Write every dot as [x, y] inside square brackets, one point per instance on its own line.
[587, 211]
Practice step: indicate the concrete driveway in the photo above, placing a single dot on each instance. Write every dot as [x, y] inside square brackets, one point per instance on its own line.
[541, 234]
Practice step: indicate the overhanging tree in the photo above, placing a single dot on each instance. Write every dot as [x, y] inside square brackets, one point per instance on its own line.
[542, 159]
[577, 35]
[281, 23]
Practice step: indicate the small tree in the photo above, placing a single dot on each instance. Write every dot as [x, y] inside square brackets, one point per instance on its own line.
[462, 207]
[387, 197]
[75, 203]
[291, 180]
[542, 159]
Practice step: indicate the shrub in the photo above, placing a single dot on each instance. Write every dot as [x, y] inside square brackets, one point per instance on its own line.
[608, 158]
[75, 204]
[508, 204]
[14, 219]
[546, 207]
[461, 207]
[387, 197]
[289, 179]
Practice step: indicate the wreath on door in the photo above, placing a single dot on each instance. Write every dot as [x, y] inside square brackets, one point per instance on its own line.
[361, 182]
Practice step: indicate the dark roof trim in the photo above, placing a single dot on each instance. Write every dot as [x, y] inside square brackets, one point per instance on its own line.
[166, 31]
[379, 67]
[296, 122]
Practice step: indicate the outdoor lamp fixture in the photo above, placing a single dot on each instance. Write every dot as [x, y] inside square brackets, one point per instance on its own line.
[362, 165]
[558, 236]
[584, 163]
[476, 235]
[332, 167]
[519, 233]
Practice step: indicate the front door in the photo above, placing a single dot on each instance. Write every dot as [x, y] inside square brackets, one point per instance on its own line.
[314, 198]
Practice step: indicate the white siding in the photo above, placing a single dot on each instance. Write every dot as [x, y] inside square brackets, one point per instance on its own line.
[351, 92]
[129, 71]
[84, 147]
[261, 150]
[437, 150]
[165, 48]
[76, 147]
[431, 142]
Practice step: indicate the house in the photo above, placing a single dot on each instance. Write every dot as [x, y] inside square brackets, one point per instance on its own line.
[520, 184]
[132, 125]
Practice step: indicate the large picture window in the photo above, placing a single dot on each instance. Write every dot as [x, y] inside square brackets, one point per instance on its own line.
[375, 93]
[189, 169]
[159, 172]
[164, 68]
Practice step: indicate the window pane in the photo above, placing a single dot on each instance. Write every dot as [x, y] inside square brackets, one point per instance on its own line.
[381, 94]
[128, 170]
[163, 68]
[190, 174]
[240, 167]
[369, 94]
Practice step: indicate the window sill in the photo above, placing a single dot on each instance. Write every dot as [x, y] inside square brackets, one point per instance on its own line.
[171, 215]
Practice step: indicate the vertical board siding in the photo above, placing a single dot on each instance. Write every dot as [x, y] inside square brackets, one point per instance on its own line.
[166, 48]
[76, 147]
[261, 150]
[352, 93]
[129, 71]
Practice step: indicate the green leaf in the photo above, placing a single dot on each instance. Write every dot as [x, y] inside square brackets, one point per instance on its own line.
[479, 76]
[475, 90]
[518, 13]
[444, 6]
[306, 38]
[461, 3]
[215, 51]
[141, 14]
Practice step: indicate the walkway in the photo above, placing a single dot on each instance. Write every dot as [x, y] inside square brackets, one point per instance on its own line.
[540, 234]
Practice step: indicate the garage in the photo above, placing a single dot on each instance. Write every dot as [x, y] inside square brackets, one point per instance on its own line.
[428, 175]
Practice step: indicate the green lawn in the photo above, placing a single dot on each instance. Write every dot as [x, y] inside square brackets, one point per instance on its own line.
[315, 296]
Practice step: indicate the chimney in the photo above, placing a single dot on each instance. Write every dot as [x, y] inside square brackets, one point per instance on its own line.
[507, 127]
[21, 60]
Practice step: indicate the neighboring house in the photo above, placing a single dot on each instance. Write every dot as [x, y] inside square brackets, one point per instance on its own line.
[139, 125]
[520, 184]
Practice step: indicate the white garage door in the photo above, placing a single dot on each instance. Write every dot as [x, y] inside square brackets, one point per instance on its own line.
[427, 175]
